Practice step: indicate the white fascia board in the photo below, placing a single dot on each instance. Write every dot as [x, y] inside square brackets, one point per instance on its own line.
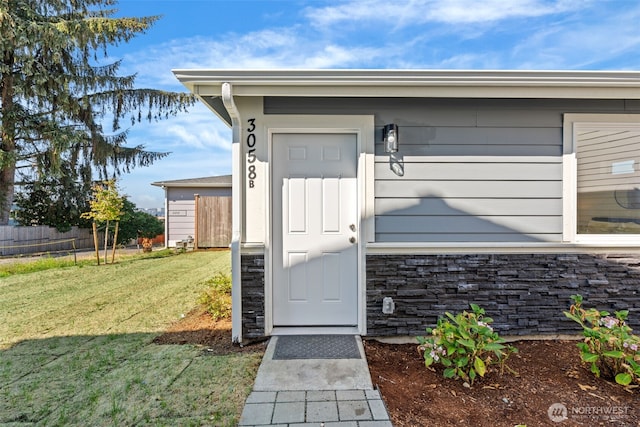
[417, 83]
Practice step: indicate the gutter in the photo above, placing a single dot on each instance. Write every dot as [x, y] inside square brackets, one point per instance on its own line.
[416, 83]
[236, 213]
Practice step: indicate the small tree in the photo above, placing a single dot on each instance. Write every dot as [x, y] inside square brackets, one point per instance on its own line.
[106, 206]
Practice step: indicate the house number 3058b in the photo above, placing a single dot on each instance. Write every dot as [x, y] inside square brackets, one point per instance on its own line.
[251, 153]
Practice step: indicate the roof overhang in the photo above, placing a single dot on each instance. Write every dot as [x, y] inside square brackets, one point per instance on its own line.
[207, 84]
[223, 181]
[416, 83]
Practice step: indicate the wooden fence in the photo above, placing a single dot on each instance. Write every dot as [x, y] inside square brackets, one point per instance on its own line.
[16, 240]
[213, 222]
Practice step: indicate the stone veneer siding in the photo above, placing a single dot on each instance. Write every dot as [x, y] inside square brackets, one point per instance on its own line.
[525, 294]
[252, 270]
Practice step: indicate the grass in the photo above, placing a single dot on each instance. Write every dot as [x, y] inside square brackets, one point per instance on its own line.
[45, 263]
[49, 262]
[76, 347]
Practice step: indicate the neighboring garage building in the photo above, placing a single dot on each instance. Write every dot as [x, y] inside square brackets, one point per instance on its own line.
[198, 210]
[429, 189]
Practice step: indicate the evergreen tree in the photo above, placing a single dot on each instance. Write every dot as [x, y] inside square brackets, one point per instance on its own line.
[56, 92]
[54, 200]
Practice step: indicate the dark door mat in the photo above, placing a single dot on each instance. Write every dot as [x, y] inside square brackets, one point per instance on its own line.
[289, 347]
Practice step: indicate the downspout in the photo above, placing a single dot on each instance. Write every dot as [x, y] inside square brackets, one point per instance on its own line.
[237, 195]
[166, 216]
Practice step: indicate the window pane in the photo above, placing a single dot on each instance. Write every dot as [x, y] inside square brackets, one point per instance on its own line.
[608, 159]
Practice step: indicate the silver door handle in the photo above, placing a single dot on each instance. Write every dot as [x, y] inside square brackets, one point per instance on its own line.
[352, 227]
[352, 239]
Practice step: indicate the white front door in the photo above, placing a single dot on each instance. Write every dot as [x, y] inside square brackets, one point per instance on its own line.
[315, 229]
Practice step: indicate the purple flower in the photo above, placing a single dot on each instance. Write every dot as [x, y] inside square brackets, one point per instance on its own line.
[609, 322]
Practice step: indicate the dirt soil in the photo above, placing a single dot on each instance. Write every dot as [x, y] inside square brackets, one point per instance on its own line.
[198, 328]
[549, 372]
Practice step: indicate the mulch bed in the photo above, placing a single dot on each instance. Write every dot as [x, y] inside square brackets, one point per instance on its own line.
[548, 373]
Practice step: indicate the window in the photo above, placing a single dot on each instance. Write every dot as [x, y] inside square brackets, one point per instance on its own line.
[602, 178]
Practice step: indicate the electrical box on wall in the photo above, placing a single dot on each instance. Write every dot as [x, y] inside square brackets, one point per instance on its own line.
[388, 306]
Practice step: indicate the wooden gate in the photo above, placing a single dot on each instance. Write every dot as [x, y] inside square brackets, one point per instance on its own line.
[213, 222]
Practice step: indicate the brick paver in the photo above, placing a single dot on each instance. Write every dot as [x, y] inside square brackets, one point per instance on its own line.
[337, 408]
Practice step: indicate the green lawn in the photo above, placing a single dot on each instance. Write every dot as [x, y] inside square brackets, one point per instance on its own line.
[75, 347]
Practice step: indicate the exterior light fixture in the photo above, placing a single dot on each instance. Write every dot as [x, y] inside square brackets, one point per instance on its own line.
[390, 138]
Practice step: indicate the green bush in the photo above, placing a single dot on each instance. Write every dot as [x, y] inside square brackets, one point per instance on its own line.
[465, 344]
[217, 296]
[609, 346]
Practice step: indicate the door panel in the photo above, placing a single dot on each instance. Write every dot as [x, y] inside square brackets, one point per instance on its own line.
[315, 222]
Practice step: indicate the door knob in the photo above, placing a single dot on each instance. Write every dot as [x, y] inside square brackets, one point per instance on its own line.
[352, 239]
[352, 227]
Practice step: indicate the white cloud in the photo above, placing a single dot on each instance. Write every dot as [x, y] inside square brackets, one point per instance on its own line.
[196, 130]
[267, 49]
[580, 44]
[422, 11]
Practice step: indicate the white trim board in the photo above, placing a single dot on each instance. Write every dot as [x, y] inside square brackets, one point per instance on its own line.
[363, 128]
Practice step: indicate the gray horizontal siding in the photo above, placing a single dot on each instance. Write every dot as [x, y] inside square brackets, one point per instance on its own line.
[435, 170]
[447, 135]
[465, 237]
[466, 206]
[473, 170]
[469, 224]
[482, 189]
[476, 150]
[179, 193]
[181, 215]
[474, 141]
[405, 111]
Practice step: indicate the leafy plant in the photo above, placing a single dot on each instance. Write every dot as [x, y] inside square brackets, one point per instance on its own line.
[134, 224]
[465, 344]
[609, 345]
[217, 297]
[106, 205]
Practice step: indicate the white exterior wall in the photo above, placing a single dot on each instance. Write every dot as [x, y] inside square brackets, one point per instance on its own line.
[254, 137]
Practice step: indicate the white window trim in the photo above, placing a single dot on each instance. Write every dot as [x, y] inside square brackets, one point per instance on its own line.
[569, 172]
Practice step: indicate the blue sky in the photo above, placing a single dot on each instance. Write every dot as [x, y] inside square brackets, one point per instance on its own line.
[418, 34]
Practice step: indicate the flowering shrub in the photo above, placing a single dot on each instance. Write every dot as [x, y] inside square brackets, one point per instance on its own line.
[465, 344]
[609, 346]
[217, 296]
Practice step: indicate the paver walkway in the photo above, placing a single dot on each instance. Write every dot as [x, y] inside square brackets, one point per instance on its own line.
[314, 392]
